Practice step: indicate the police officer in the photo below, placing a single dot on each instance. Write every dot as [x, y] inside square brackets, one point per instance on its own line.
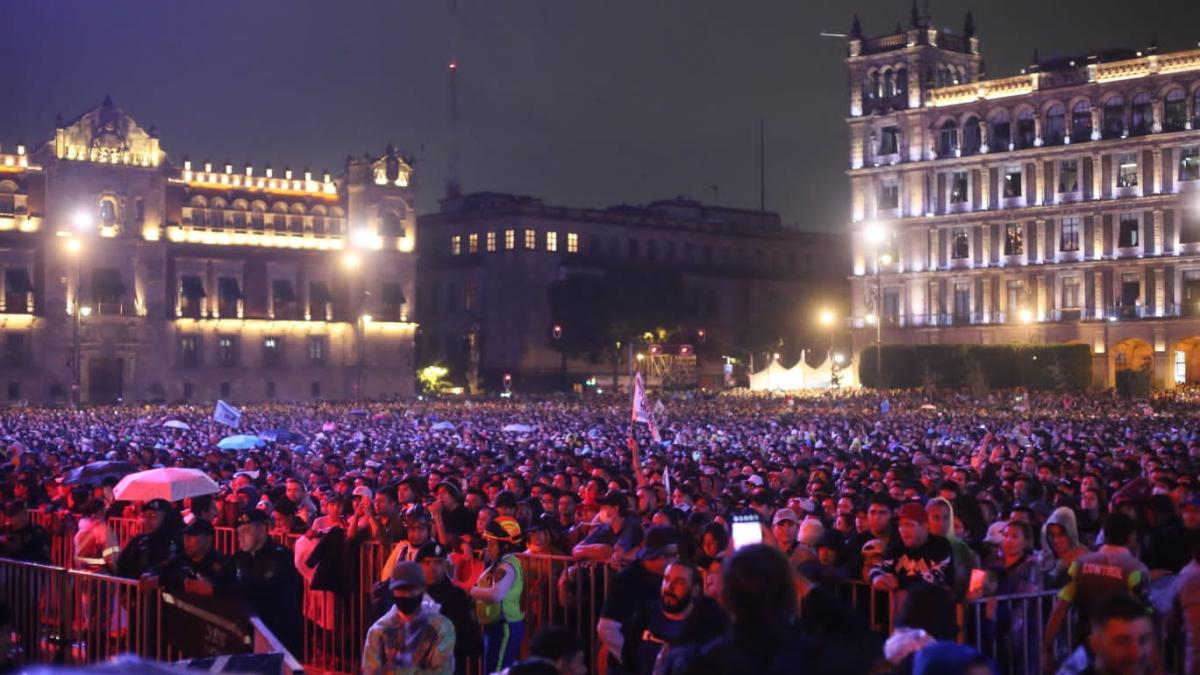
[158, 542]
[265, 575]
[200, 569]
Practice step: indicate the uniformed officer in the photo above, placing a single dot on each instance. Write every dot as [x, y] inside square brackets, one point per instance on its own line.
[265, 574]
[148, 551]
[200, 569]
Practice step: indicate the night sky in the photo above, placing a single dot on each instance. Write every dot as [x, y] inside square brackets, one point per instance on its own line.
[581, 102]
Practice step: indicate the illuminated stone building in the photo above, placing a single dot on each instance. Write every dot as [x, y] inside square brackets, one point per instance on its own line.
[189, 280]
[488, 260]
[1056, 205]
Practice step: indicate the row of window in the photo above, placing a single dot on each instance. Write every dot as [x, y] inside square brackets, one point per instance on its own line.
[955, 187]
[194, 300]
[650, 250]
[529, 242]
[1129, 229]
[269, 390]
[1003, 133]
[191, 350]
[279, 223]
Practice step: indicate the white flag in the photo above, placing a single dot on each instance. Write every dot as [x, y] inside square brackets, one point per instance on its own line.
[641, 411]
[227, 414]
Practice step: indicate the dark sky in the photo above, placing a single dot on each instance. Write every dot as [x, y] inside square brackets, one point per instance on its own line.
[582, 102]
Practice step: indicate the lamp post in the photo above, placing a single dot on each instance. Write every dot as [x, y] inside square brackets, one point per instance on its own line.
[351, 262]
[876, 234]
[75, 249]
[828, 320]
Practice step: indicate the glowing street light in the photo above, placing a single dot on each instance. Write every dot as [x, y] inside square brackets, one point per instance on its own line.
[367, 318]
[839, 358]
[351, 261]
[82, 220]
[85, 311]
[826, 317]
[870, 319]
[875, 233]
[74, 246]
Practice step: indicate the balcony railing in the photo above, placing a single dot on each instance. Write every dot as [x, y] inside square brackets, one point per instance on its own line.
[1111, 313]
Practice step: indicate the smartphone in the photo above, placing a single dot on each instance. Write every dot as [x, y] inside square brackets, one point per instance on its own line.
[975, 588]
[746, 530]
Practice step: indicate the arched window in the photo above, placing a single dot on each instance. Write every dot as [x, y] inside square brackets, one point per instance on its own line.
[1000, 132]
[392, 225]
[1141, 115]
[1114, 118]
[889, 84]
[336, 217]
[1056, 125]
[942, 76]
[108, 213]
[1081, 122]
[875, 85]
[239, 220]
[318, 223]
[971, 138]
[296, 224]
[902, 84]
[1026, 129]
[279, 217]
[258, 216]
[948, 139]
[1175, 111]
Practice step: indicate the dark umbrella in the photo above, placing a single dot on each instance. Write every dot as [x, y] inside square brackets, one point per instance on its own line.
[280, 436]
[97, 471]
[359, 413]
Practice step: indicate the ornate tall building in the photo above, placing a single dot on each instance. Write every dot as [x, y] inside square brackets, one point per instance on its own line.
[130, 276]
[1057, 205]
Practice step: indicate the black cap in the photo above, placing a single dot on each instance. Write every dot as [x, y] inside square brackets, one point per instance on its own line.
[656, 541]
[432, 549]
[250, 516]
[199, 527]
[614, 498]
[157, 505]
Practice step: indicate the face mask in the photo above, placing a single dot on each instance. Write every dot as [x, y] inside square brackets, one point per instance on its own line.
[407, 605]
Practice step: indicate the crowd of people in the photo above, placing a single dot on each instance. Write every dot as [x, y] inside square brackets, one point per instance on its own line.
[931, 499]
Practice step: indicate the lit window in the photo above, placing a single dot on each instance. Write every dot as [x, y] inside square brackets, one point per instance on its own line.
[1071, 293]
[473, 243]
[1189, 163]
[552, 241]
[1069, 240]
[1129, 231]
[573, 242]
[958, 187]
[1068, 176]
[1012, 182]
[510, 240]
[456, 245]
[491, 242]
[889, 140]
[889, 196]
[271, 351]
[530, 240]
[1127, 176]
[961, 243]
[1014, 240]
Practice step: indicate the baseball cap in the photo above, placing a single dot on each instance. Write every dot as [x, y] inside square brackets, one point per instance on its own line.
[431, 549]
[614, 498]
[362, 491]
[657, 541]
[785, 514]
[914, 511]
[755, 480]
[407, 574]
[252, 516]
[503, 529]
[199, 527]
[156, 505]
[873, 547]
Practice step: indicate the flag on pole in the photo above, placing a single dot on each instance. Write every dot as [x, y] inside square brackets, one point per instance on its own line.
[227, 415]
[641, 411]
[667, 480]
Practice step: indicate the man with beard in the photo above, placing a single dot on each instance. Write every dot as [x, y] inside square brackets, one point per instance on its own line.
[681, 615]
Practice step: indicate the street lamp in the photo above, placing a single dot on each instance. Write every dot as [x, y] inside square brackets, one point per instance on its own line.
[876, 234]
[75, 248]
[829, 320]
[351, 261]
[82, 220]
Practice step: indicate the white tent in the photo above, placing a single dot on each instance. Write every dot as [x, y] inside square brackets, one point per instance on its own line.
[800, 376]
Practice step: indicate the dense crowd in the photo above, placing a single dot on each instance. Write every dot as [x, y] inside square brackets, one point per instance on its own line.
[935, 498]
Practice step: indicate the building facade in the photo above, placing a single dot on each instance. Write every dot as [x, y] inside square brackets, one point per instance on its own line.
[1058, 205]
[130, 276]
[488, 261]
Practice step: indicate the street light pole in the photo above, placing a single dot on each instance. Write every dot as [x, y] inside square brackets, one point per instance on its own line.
[878, 320]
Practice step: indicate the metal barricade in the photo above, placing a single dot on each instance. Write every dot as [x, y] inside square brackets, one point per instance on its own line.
[564, 592]
[35, 596]
[113, 616]
[879, 607]
[126, 529]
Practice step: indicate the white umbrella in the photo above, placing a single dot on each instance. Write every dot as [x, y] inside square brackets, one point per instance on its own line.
[176, 424]
[519, 428]
[929, 406]
[240, 442]
[442, 426]
[171, 484]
